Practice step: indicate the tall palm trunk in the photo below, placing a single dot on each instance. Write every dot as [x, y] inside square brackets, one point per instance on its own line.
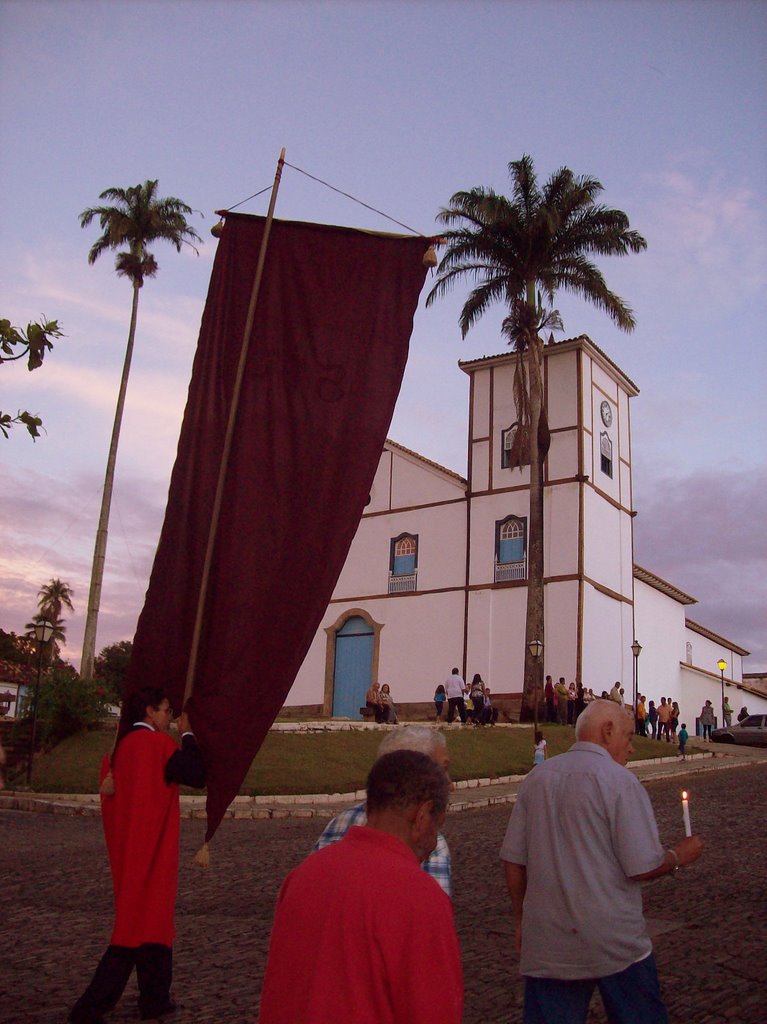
[534, 623]
[100, 549]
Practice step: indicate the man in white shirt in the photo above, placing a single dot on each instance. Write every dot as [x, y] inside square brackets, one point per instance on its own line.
[581, 839]
[455, 687]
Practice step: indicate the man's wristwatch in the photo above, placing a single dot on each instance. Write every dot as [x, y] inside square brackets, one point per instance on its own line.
[676, 865]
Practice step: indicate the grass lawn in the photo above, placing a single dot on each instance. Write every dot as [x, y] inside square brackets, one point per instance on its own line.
[325, 762]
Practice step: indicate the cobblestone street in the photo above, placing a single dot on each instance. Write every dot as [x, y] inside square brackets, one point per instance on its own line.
[709, 921]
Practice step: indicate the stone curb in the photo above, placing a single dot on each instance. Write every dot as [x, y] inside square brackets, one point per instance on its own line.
[313, 805]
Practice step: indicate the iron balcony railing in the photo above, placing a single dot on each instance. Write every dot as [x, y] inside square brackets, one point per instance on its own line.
[404, 584]
[505, 571]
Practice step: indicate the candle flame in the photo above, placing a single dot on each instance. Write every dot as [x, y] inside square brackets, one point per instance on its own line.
[684, 794]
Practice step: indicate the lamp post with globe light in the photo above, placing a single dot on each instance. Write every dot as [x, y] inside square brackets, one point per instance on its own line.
[636, 649]
[43, 633]
[722, 665]
[536, 650]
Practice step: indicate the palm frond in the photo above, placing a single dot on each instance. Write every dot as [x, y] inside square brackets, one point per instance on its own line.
[136, 219]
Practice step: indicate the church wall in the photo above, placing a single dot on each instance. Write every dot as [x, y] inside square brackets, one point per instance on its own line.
[420, 640]
[414, 483]
[560, 656]
[704, 653]
[562, 462]
[606, 638]
[560, 537]
[660, 630]
[624, 462]
[496, 637]
[380, 490]
[561, 393]
[607, 551]
[402, 482]
[441, 531]
[480, 465]
[485, 512]
[602, 389]
[480, 412]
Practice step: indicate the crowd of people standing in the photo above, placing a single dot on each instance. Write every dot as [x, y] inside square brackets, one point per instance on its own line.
[472, 703]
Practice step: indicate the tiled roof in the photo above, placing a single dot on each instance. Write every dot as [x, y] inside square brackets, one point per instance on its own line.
[582, 339]
[12, 672]
[697, 628]
[428, 462]
[662, 585]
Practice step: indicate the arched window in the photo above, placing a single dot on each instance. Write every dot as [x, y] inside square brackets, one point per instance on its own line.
[606, 454]
[403, 563]
[510, 549]
[507, 441]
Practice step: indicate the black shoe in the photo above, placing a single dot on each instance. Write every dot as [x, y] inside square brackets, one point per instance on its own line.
[161, 1011]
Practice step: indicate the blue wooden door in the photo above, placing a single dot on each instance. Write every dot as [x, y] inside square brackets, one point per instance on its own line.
[354, 667]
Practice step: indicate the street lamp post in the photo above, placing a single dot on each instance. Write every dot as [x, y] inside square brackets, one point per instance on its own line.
[722, 665]
[636, 648]
[536, 650]
[43, 633]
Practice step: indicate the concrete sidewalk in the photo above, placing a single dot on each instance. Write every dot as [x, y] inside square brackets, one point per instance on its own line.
[468, 794]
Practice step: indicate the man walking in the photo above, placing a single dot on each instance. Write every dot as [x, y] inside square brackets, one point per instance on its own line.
[141, 825]
[361, 934]
[581, 839]
[455, 687]
[409, 737]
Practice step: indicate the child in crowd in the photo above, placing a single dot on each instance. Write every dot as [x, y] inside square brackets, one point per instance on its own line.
[539, 754]
[682, 737]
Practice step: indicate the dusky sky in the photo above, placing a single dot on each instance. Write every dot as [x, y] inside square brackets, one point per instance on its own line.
[400, 104]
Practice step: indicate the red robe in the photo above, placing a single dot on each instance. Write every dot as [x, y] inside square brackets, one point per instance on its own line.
[362, 935]
[141, 826]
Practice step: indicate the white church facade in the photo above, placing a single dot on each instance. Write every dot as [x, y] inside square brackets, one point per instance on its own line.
[437, 573]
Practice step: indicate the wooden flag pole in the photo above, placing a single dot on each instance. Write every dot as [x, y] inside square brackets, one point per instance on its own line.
[192, 665]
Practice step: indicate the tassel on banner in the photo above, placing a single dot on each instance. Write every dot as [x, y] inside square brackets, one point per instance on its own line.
[430, 258]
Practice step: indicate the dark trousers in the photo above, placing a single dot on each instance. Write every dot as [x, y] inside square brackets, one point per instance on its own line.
[380, 711]
[630, 997]
[154, 972]
[551, 715]
[453, 704]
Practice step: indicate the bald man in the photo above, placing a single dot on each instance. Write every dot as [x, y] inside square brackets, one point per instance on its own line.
[581, 840]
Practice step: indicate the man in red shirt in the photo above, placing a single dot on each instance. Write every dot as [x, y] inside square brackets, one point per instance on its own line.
[361, 934]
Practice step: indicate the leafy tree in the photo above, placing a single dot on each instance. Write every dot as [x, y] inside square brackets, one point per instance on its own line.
[517, 250]
[111, 667]
[33, 343]
[16, 649]
[67, 704]
[136, 218]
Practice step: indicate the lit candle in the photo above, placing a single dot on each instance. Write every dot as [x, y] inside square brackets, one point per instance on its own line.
[686, 814]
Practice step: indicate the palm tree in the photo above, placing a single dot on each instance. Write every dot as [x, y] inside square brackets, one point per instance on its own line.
[136, 218]
[517, 250]
[51, 599]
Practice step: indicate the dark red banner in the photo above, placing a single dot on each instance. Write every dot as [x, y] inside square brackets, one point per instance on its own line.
[327, 354]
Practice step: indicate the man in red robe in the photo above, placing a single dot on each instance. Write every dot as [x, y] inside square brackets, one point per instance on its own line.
[141, 825]
[361, 934]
